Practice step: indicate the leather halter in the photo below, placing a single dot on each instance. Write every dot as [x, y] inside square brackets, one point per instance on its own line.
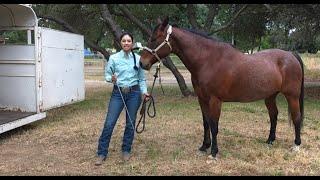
[166, 41]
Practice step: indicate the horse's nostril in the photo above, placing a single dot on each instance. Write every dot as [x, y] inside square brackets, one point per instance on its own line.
[147, 67]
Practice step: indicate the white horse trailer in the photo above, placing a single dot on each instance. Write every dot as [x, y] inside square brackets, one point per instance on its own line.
[45, 72]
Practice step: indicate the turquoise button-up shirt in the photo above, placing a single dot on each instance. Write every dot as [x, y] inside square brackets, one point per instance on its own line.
[122, 64]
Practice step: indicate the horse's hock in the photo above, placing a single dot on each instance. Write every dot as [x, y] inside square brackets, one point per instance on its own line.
[42, 73]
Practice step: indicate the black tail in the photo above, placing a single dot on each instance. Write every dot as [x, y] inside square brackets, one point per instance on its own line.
[302, 87]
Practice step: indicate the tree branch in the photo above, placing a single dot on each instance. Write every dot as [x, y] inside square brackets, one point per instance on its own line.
[213, 11]
[135, 20]
[231, 21]
[192, 16]
[115, 29]
[268, 7]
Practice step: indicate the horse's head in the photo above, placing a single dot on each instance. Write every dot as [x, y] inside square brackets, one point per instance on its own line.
[158, 46]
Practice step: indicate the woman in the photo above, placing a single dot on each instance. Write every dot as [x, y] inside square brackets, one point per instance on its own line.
[124, 71]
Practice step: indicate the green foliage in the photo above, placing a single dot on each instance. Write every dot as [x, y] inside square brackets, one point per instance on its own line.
[15, 37]
[256, 27]
[295, 27]
[85, 18]
[265, 42]
[247, 30]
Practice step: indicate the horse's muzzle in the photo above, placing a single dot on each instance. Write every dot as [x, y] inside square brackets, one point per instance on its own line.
[146, 67]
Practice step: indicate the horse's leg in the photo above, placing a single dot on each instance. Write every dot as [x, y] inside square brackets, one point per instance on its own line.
[206, 136]
[214, 115]
[294, 107]
[273, 114]
[204, 110]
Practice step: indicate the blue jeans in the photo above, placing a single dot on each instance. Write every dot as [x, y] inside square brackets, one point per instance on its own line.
[133, 101]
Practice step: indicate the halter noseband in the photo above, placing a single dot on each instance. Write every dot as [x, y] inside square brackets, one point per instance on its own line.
[166, 41]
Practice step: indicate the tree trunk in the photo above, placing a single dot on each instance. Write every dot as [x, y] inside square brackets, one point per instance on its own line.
[167, 61]
[182, 84]
[260, 41]
[114, 27]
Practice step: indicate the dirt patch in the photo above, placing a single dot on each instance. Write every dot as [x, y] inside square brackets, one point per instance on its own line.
[313, 92]
[65, 143]
[309, 79]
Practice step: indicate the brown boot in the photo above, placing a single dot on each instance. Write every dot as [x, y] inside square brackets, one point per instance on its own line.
[126, 156]
[100, 160]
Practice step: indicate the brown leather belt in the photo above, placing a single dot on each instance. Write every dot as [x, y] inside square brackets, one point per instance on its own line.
[128, 89]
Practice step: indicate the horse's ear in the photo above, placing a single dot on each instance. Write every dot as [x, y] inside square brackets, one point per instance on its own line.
[159, 20]
[164, 23]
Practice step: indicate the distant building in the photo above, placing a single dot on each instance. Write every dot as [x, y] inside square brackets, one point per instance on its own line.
[92, 55]
[87, 52]
[2, 40]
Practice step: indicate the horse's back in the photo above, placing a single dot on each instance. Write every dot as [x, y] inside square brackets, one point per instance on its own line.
[287, 64]
[262, 74]
[283, 60]
[276, 55]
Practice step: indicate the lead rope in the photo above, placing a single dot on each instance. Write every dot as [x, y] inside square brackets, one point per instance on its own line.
[144, 104]
[160, 79]
[124, 102]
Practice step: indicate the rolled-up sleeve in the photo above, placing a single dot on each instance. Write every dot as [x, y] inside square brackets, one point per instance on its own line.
[142, 78]
[109, 69]
[142, 81]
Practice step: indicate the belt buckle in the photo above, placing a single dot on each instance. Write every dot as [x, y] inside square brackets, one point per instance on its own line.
[125, 89]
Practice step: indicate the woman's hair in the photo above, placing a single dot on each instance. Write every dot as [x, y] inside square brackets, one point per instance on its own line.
[126, 33]
[134, 57]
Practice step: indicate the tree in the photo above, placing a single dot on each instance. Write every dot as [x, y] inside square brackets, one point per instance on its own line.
[167, 61]
[295, 27]
[74, 18]
[285, 26]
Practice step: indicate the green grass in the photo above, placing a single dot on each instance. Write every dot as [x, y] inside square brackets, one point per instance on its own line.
[65, 142]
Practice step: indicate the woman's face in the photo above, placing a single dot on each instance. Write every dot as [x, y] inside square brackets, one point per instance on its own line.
[126, 43]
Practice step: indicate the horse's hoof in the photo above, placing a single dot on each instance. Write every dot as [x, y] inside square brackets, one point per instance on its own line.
[295, 148]
[201, 153]
[269, 146]
[211, 159]
[269, 142]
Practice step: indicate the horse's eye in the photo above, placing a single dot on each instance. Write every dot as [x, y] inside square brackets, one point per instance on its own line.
[153, 40]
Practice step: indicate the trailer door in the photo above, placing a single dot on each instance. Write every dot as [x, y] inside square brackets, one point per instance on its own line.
[62, 68]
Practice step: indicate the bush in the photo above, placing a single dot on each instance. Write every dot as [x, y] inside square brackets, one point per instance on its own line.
[312, 49]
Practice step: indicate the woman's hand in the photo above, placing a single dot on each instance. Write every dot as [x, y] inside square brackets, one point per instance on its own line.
[114, 78]
[146, 96]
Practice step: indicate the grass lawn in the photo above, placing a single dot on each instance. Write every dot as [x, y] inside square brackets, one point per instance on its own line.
[65, 142]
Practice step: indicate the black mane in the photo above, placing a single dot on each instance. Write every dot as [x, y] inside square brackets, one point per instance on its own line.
[200, 33]
[203, 34]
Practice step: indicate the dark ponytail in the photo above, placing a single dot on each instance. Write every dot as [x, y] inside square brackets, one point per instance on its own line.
[134, 58]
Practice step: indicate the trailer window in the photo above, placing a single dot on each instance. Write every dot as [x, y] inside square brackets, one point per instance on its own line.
[19, 37]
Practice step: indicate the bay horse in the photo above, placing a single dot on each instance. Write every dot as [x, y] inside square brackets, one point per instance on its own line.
[221, 73]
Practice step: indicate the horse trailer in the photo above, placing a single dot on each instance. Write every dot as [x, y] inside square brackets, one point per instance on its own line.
[43, 72]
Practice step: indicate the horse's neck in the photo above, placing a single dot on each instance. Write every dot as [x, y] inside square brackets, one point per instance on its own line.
[191, 48]
[187, 50]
